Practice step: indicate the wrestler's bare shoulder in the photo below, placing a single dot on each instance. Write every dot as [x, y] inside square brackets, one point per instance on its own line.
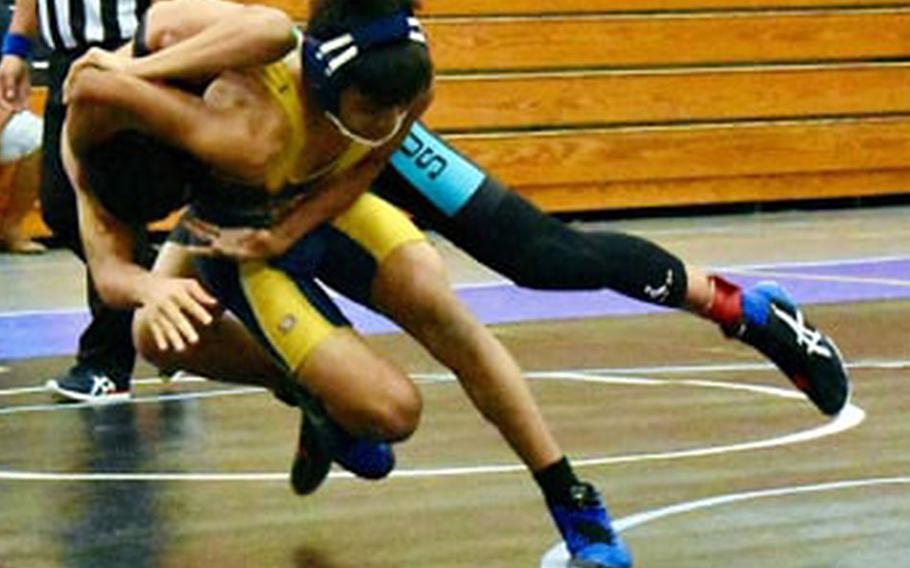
[248, 100]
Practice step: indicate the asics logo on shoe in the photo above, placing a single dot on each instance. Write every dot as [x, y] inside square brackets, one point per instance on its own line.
[810, 338]
[776, 327]
[102, 385]
[81, 384]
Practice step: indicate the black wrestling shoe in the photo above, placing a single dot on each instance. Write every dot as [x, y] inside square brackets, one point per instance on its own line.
[773, 324]
[84, 384]
[313, 459]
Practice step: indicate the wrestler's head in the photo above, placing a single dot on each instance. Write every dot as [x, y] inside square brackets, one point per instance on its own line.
[367, 62]
[137, 178]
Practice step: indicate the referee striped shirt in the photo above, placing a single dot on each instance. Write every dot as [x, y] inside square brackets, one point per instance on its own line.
[76, 24]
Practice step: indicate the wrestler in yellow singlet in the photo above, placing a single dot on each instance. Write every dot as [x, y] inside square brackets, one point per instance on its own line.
[279, 299]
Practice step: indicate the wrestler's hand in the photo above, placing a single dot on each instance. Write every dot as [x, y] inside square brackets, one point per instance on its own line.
[94, 58]
[177, 307]
[238, 243]
[15, 83]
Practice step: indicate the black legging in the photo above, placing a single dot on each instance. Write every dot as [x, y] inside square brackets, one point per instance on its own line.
[513, 237]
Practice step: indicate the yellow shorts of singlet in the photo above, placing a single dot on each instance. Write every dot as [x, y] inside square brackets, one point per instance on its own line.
[280, 300]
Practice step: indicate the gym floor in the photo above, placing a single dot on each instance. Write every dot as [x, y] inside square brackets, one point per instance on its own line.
[706, 455]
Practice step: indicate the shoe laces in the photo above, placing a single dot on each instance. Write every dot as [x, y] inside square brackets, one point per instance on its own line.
[807, 337]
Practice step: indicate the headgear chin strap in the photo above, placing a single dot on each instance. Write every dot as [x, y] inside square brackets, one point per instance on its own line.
[323, 60]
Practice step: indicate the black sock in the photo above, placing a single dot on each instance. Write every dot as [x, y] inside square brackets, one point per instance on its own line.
[556, 481]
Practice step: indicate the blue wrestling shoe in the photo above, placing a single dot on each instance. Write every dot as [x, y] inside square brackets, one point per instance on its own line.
[586, 528]
[365, 458]
[773, 324]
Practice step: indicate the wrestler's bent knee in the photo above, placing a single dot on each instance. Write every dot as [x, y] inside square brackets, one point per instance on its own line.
[418, 276]
[395, 414]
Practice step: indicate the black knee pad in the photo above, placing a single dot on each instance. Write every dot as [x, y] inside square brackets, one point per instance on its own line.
[536, 250]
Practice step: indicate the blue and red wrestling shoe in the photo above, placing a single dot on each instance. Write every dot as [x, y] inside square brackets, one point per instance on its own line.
[772, 323]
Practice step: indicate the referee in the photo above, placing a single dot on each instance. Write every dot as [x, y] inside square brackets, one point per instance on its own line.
[69, 28]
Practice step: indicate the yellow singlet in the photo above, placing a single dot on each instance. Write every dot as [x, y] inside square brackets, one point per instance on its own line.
[277, 78]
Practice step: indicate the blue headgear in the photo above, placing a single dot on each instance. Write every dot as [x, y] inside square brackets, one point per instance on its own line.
[323, 60]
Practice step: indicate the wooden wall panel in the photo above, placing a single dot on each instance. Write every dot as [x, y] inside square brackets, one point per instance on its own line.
[509, 102]
[722, 190]
[494, 7]
[299, 8]
[578, 157]
[646, 41]
[520, 101]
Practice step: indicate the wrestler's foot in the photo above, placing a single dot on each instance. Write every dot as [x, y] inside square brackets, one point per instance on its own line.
[586, 527]
[365, 458]
[314, 457]
[773, 324]
[321, 441]
[317, 448]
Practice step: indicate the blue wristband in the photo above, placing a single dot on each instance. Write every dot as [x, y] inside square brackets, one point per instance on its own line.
[17, 44]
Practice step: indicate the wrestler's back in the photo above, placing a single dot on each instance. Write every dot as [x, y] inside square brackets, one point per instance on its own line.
[296, 143]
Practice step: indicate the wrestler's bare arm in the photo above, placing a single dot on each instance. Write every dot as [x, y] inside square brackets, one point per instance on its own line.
[199, 39]
[178, 305]
[15, 74]
[232, 136]
[108, 244]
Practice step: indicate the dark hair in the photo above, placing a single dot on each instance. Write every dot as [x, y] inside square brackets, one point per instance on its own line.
[388, 75]
[137, 178]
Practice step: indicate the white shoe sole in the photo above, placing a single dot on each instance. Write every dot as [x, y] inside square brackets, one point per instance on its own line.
[65, 395]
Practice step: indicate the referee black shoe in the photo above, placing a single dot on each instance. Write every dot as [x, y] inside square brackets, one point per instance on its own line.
[84, 384]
